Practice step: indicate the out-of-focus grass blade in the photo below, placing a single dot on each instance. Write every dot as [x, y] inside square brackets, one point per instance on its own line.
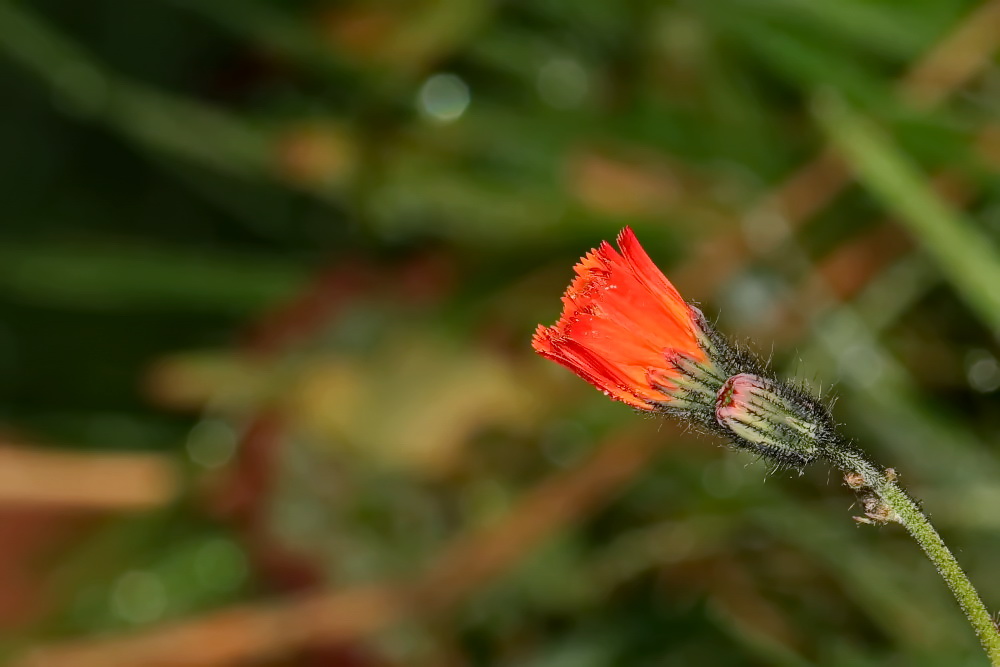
[275, 29]
[863, 26]
[802, 62]
[177, 126]
[430, 33]
[965, 255]
[100, 276]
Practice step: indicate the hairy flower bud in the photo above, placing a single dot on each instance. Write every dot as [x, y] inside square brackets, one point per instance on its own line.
[773, 419]
[627, 330]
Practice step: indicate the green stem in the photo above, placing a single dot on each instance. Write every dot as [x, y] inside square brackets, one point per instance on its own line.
[894, 504]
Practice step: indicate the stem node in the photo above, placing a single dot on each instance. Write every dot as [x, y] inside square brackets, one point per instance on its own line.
[885, 501]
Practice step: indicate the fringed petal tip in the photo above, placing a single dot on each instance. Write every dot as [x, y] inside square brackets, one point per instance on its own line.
[626, 238]
[541, 340]
[620, 316]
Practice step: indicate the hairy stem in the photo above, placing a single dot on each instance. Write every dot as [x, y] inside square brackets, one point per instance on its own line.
[886, 501]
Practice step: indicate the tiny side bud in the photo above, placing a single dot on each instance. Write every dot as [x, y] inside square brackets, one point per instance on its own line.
[854, 480]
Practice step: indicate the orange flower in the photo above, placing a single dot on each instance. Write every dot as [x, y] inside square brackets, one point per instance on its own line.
[626, 330]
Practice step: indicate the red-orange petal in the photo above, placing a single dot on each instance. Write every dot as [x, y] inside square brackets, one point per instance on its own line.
[620, 318]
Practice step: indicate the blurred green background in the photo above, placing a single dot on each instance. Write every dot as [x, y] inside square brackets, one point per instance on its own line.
[268, 274]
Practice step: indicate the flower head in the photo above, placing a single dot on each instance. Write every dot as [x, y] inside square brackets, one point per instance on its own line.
[626, 330]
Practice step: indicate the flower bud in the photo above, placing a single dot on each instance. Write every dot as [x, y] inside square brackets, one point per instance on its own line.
[772, 419]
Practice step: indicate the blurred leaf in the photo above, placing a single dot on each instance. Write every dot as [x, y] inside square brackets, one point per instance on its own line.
[965, 255]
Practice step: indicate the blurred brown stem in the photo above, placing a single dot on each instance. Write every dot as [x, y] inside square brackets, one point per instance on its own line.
[256, 631]
[92, 481]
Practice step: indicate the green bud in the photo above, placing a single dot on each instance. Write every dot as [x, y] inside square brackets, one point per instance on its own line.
[772, 419]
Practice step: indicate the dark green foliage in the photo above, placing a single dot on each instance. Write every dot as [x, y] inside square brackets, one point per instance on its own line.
[215, 211]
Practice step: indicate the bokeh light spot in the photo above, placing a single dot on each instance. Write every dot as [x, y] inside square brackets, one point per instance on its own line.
[563, 83]
[862, 362]
[443, 98]
[139, 597]
[211, 443]
[983, 371]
